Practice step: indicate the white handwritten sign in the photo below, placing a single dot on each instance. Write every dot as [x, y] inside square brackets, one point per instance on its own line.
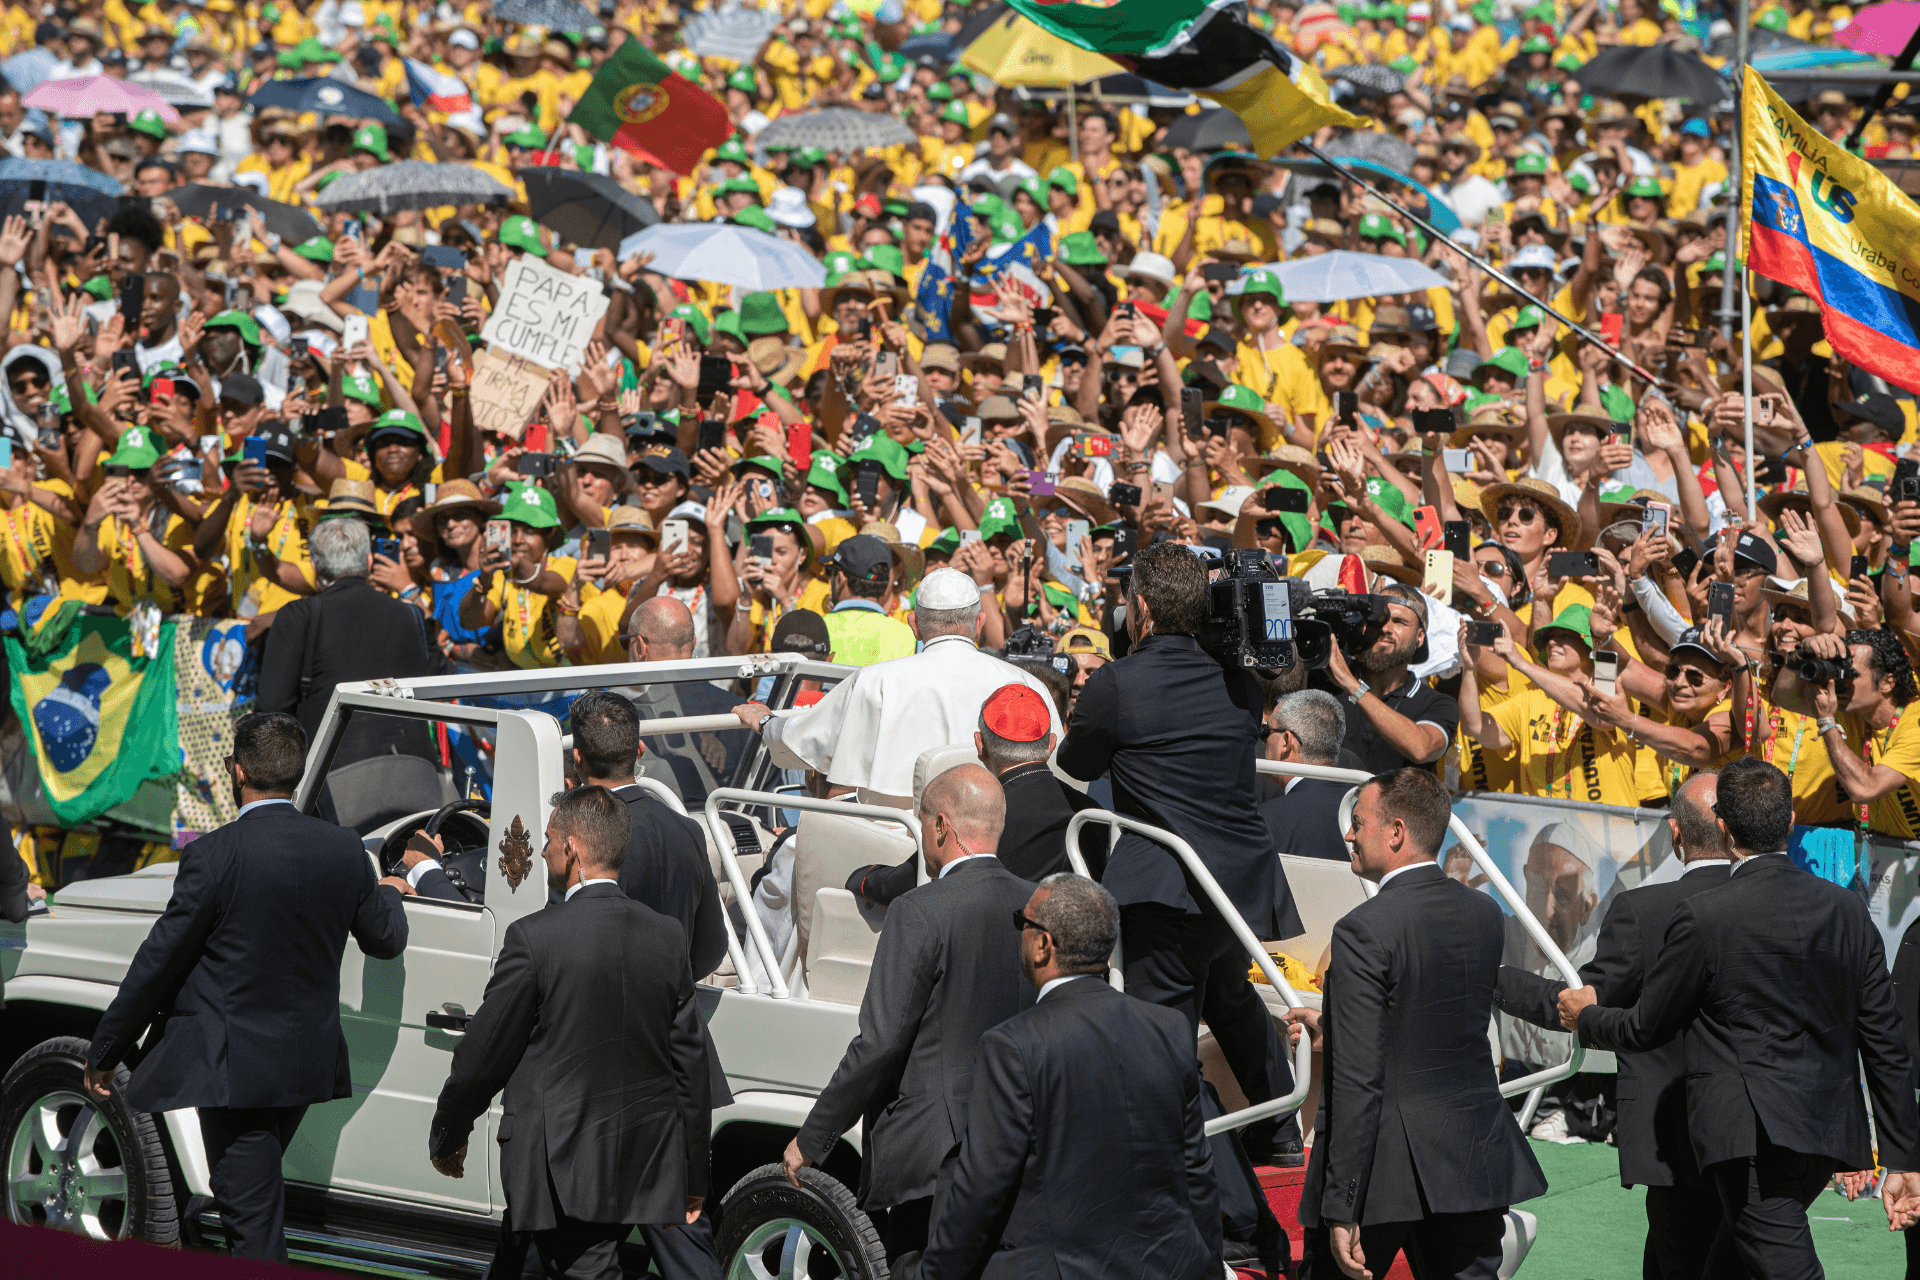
[545, 315]
[507, 390]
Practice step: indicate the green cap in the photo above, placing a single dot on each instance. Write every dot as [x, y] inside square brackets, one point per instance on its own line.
[360, 385]
[730, 151]
[371, 138]
[946, 544]
[1062, 177]
[743, 81]
[756, 217]
[519, 232]
[760, 314]
[1536, 44]
[149, 123]
[1261, 281]
[739, 183]
[955, 113]
[1375, 226]
[839, 261]
[696, 320]
[530, 505]
[1717, 262]
[1531, 163]
[397, 420]
[825, 474]
[998, 518]
[1575, 618]
[888, 258]
[528, 138]
[1647, 187]
[102, 288]
[1528, 317]
[939, 92]
[315, 249]
[136, 450]
[1080, 250]
[1509, 360]
[249, 327]
[886, 451]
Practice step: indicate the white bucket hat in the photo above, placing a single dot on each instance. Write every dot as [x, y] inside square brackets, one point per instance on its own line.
[1149, 266]
[788, 207]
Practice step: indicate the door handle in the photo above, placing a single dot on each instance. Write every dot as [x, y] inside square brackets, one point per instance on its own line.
[450, 1017]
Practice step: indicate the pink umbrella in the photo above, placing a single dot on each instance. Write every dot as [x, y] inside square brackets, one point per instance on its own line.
[1881, 28]
[79, 97]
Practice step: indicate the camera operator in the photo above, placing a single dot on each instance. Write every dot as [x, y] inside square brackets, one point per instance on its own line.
[1401, 721]
[1873, 745]
[1177, 732]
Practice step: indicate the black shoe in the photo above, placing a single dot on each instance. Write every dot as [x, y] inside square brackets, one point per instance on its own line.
[1286, 1154]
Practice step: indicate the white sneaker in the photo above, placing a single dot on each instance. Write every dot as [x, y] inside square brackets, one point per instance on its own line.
[1551, 1126]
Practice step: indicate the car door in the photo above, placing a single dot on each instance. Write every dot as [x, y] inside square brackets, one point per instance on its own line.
[375, 1142]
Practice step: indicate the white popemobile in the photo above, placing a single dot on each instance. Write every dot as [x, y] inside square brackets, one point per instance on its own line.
[361, 1193]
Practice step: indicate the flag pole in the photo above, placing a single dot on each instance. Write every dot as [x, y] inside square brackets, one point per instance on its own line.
[1632, 366]
[1736, 180]
[1746, 384]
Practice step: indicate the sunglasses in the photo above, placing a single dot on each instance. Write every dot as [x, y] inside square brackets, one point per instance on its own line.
[1021, 924]
[1687, 675]
[1492, 568]
[648, 476]
[28, 382]
[1526, 515]
[1792, 613]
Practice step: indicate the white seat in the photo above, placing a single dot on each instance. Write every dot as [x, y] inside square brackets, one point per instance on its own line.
[1323, 891]
[830, 848]
[840, 950]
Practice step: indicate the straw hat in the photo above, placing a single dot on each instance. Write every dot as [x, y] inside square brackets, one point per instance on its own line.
[1557, 424]
[1573, 536]
[1086, 497]
[1381, 558]
[454, 495]
[1288, 457]
[354, 497]
[1870, 501]
[909, 559]
[632, 520]
[1798, 499]
[607, 451]
[1498, 419]
[777, 361]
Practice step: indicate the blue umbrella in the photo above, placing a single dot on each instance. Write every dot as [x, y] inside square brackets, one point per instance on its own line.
[554, 15]
[936, 47]
[323, 96]
[89, 193]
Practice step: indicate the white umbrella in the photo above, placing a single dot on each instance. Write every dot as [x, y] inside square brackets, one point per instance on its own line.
[1329, 277]
[726, 253]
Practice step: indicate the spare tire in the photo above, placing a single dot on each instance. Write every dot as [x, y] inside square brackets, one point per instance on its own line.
[816, 1231]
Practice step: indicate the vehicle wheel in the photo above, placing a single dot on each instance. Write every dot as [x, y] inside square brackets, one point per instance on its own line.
[772, 1230]
[75, 1162]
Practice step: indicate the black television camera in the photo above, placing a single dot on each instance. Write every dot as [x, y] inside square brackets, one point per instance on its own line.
[1340, 617]
[1252, 613]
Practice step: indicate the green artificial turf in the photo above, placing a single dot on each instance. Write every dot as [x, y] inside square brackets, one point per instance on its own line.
[1591, 1228]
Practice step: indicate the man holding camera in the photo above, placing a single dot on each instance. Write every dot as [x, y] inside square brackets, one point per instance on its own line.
[1872, 744]
[1177, 732]
[1402, 720]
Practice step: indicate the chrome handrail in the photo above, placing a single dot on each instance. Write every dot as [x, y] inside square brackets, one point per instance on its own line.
[1501, 886]
[743, 893]
[1303, 1050]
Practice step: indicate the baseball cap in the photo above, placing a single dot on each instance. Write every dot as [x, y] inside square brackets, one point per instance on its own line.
[801, 631]
[520, 232]
[243, 388]
[1084, 640]
[863, 557]
[1755, 550]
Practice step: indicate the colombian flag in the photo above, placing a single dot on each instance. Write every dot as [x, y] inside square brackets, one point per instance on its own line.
[1829, 224]
[99, 720]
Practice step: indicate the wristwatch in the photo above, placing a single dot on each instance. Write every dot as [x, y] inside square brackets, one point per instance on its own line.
[761, 724]
[1360, 692]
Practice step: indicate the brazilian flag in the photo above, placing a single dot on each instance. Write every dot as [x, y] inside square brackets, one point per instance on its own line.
[100, 721]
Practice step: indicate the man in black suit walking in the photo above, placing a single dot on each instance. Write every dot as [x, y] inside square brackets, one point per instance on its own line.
[1414, 1147]
[1778, 982]
[1014, 740]
[590, 1026]
[1656, 1152]
[1304, 819]
[251, 1055]
[1177, 732]
[946, 970]
[1046, 1182]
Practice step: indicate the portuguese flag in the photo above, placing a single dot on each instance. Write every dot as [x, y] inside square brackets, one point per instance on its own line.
[641, 105]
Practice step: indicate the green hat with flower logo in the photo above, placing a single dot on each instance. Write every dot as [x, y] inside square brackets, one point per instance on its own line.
[1506, 360]
[527, 138]
[1528, 317]
[1262, 281]
[1377, 226]
[1532, 164]
[756, 217]
[696, 320]
[954, 113]
[315, 249]
[136, 450]
[531, 505]
[1062, 177]
[946, 544]
[1648, 188]
[1536, 44]
[998, 518]
[824, 474]
[398, 422]
[742, 79]
[1245, 403]
[371, 138]
[521, 232]
[889, 258]
[939, 92]
[885, 450]
[764, 462]
[248, 327]
[1080, 249]
[731, 151]
[1575, 620]
[358, 384]
[840, 261]
[149, 123]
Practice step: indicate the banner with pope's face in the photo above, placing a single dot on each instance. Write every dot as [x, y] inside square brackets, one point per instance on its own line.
[1568, 861]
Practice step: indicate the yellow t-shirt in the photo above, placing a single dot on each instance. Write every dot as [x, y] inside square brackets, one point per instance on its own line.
[1796, 752]
[1897, 746]
[30, 536]
[1564, 758]
[600, 629]
[1484, 770]
[1282, 374]
[130, 578]
[813, 596]
[254, 593]
[529, 621]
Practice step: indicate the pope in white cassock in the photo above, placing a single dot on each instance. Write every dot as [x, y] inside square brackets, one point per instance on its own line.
[871, 727]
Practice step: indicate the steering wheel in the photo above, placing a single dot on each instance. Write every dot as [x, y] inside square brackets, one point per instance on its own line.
[395, 864]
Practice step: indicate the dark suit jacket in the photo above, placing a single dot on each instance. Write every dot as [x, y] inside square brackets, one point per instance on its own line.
[1906, 987]
[1410, 1106]
[1306, 820]
[667, 868]
[1779, 982]
[1084, 1155]
[947, 967]
[241, 972]
[14, 875]
[350, 631]
[590, 1025]
[1178, 734]
[1651, 1132]
[1032, 843]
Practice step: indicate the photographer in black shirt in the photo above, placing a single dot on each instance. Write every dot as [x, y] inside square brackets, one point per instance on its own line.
[1393, 718]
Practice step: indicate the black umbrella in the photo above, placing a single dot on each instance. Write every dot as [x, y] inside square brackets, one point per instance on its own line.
[588, 209]
[89, 193]
[934, 48]
[1216, 130]
[977, 25]
[1651, 71]
[324, 96]
[197, 200]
